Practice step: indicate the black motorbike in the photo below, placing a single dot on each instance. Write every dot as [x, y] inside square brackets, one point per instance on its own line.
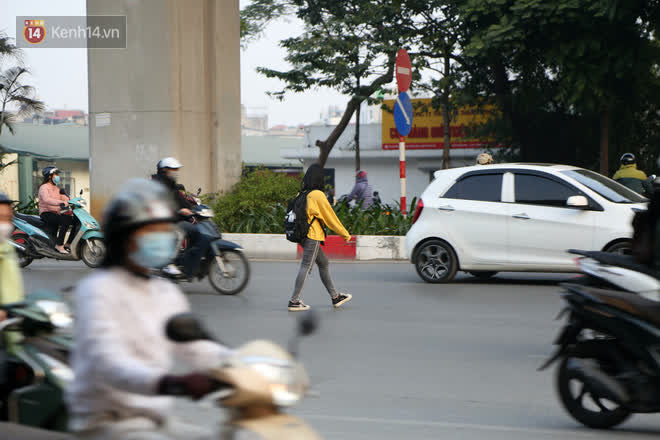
[609, 353]
[222, 261]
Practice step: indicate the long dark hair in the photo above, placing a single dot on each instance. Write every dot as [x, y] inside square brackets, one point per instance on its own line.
[313, 178]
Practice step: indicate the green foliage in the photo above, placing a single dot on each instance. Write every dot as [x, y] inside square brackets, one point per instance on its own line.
[256, 202]
[30, 207]
[257, 205]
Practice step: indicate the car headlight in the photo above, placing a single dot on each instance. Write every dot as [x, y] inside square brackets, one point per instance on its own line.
[61, 371]
[58, 313]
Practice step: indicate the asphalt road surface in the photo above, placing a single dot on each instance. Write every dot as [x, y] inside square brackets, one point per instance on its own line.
[404, 359]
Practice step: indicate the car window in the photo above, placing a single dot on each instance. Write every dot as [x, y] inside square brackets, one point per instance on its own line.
[484, 187]
[608, 188]
[537, 190]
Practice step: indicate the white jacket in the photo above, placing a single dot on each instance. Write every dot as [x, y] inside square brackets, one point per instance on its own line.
[121, 350]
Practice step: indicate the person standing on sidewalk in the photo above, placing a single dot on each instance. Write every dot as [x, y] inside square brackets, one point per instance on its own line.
[319, 215]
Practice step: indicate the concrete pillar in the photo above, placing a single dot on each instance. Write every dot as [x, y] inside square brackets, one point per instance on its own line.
[174, 91]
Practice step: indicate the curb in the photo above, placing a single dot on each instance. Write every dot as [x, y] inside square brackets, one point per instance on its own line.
[361, 247]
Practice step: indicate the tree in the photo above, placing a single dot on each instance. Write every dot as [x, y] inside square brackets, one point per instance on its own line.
[568, 60]
[14, 93]
[348, 46]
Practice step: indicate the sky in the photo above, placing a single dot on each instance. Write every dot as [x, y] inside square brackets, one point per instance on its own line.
[60, 75]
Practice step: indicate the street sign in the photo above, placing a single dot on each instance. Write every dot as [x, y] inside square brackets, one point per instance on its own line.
[403, 70]
[403, 114]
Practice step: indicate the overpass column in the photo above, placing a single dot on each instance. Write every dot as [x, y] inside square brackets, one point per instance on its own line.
[173, 91]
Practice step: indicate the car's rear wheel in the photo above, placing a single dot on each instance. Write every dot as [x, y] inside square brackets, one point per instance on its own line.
[622, 248]
[436, 262]
[483, 274]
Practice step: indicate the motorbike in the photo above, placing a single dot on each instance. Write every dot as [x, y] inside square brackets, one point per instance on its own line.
[256, 383]
[35, 342]
[34, 239]
[222, 261]
[608, 352]
[618, 272]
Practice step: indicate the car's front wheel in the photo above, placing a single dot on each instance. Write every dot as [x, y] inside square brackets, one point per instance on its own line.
[436, 262]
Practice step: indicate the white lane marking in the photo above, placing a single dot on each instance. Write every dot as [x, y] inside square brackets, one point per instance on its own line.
[451, 425]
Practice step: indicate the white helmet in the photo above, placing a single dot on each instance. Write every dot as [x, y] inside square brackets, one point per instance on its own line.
[484, 159]
[169, 162]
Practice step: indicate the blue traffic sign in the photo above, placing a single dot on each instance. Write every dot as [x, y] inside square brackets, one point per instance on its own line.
[403, 114]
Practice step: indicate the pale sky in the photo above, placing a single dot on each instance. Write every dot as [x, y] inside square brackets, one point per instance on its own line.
[60, 75]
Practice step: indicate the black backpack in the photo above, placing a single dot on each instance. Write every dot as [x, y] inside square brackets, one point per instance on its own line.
[295, 220]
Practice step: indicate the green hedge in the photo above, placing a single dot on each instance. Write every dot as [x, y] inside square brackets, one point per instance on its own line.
[257, 205]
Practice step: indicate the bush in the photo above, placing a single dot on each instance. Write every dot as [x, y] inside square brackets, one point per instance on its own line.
[257, 205]
[30, 207]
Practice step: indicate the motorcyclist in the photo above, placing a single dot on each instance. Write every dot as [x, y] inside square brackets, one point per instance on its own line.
[362, 192]
[11, 283]
[167, 173]
[121, 357]
[629, 176]
[51, 202]
[485, 159]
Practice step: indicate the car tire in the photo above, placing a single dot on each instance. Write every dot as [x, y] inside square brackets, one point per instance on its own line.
[436, 262]
[621, 247]
[484, 274]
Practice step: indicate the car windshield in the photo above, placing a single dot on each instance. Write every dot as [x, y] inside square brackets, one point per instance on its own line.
[608, 188]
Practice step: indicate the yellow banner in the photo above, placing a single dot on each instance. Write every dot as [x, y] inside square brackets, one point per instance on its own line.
[428, 131]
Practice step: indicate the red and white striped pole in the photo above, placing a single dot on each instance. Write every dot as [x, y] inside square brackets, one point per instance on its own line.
[402, 173]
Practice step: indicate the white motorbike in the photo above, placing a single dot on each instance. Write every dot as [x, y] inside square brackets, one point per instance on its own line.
[618, 272]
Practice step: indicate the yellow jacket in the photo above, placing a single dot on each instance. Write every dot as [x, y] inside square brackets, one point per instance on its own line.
[318, 207]
[11, 283]
[629, 172]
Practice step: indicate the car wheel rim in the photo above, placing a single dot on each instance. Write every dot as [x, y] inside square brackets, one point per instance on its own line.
[434, 262]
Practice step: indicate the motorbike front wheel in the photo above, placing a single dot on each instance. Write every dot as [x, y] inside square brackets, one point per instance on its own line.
[582, 404]
[92, 252]
[236, 272]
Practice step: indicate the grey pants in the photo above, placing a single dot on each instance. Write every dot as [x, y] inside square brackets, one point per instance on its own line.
[312, 252]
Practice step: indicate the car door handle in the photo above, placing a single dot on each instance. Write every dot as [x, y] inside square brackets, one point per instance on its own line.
[446, 208]
[522, 216]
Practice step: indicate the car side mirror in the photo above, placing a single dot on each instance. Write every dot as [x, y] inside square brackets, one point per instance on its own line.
[579, 202]
[185, 327]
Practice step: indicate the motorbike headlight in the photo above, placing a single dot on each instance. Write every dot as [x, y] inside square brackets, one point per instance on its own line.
[287, 381]
[89, 225]
[58, 313]
[208, 212]
[61, 371]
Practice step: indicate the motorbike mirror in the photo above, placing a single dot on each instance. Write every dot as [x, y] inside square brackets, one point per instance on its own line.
[81, 192]
[199, 191]
[308, 323]
[185, 327]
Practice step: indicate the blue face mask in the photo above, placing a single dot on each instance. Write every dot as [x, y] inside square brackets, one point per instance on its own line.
[155, 250]
[56, 180]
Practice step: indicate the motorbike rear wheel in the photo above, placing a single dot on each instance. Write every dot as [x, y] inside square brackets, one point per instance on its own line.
[236, 275]
[23, 259]
[92, 252]
[585, 407]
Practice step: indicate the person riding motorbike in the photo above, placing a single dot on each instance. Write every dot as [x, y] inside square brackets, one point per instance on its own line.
[11, 283]
[485, 159]
[629, 176]
[121, 357]
[167, 173]
[51, 202]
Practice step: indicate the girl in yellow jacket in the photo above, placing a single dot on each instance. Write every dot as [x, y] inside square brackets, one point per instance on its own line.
[319, 214]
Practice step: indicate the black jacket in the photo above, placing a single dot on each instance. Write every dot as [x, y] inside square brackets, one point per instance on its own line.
[176, 191]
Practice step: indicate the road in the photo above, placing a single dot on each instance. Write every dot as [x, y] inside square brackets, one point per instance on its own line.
[404, 359]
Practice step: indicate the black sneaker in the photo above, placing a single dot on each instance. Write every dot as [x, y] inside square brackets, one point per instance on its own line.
[298, 306]
[341, 299]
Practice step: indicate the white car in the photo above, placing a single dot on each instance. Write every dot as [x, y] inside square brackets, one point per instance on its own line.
[517, 218]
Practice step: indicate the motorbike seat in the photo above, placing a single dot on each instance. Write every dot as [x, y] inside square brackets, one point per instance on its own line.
[34, 220]
[618, 260]
[639, 306]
